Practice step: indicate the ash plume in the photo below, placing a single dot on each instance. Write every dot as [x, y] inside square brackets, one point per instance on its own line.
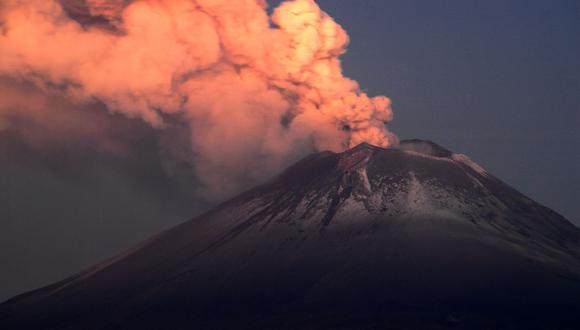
[252, 91]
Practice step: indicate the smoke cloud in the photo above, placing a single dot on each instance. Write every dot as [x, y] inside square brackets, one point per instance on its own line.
[252, 91]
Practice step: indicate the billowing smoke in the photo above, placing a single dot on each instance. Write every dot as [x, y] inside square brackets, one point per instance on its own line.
[252, 90]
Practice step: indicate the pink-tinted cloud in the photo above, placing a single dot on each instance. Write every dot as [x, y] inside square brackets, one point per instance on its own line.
[254, 90]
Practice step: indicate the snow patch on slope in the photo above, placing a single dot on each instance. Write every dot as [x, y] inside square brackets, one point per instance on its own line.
[362, 172]
[470, 163]
[417, 197]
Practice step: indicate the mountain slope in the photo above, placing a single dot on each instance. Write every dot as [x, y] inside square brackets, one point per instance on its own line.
[415, 237]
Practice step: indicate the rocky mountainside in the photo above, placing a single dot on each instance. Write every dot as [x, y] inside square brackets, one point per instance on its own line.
[416, 237]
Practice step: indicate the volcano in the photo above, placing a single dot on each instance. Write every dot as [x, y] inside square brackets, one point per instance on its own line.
[414, 237]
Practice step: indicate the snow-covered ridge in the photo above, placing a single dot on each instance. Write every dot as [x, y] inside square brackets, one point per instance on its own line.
[470, 163]
[359, 156]
[423, 147]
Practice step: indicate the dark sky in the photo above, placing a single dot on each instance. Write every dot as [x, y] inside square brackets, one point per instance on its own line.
[496, 80]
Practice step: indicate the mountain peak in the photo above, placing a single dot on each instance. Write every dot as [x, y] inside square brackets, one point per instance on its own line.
[339, 240]
[418, 146]
[357, 157]
[364, 145]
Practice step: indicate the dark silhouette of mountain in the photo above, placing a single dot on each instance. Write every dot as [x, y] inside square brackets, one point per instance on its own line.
[415, 237]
